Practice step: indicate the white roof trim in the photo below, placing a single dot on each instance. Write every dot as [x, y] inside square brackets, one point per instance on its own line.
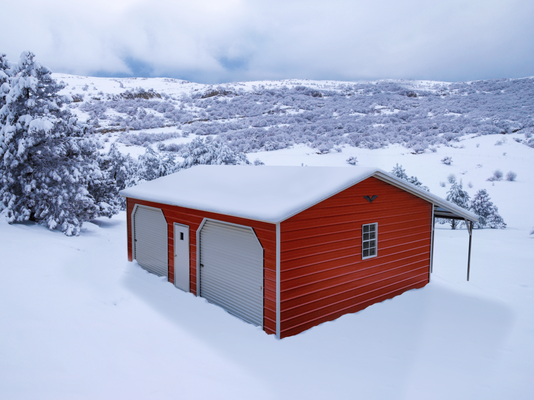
[431, 198]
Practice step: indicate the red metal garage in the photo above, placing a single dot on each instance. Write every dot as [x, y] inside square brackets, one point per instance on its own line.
[286, 248]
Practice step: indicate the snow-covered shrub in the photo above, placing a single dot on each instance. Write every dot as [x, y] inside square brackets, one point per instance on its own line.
[352, 160]
[510, 176]
[49, 168]
[460, 197]
[419, 148]
[451, 178]
[497, 176]
[399, 172]
[442, 184]
[488, 213]
[324, 147]
[173, 147]
[447, 160]
[202, 151]
[140, 93]
[257, 161]
[145, 138]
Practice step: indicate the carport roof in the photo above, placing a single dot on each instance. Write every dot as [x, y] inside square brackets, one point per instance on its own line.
[267, 193]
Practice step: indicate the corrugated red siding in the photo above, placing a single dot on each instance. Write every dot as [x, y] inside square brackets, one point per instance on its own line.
[322, 273]
[265, 232]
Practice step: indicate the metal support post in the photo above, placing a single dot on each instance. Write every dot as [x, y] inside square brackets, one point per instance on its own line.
[470, 229]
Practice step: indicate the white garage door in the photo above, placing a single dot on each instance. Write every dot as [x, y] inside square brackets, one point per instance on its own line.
[231, 269]
[150, 239]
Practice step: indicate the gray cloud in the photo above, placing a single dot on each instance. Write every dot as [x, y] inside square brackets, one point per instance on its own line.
[230, 40]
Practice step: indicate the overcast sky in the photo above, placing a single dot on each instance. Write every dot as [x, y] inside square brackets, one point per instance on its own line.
[213, 41]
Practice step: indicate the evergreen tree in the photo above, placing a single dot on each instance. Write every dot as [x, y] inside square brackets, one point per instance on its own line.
[48, 161]
[460, 197]
[120, 172]
[399, 172]
[488, 213]
[5, 72]
[122, 169]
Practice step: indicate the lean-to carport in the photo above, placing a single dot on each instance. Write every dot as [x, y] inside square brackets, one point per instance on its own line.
[440, 209]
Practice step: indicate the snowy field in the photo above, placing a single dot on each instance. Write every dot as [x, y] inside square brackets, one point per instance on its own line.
[78, 321]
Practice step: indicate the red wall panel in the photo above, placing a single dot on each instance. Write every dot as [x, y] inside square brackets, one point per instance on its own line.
[265, 232]
[322, 272]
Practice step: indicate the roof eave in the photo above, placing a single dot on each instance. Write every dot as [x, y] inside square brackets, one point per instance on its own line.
[452, 210]
[204, 209]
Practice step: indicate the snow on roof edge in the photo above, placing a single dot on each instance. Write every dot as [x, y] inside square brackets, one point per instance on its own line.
[289, 204]
[291, 209]
[333, 193]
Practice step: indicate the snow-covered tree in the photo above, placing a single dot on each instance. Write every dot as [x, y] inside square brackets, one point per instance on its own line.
[488, 213]
[152, 165]
[121, 168]
[399, 172]
[460, 197]
[120, 172]
[210, 152]
[5, 72]
[48, 162]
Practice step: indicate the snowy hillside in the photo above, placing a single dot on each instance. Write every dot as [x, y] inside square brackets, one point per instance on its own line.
[80, 322]
[271, 115]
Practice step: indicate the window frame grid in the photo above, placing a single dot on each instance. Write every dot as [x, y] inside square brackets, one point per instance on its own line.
[375, 224]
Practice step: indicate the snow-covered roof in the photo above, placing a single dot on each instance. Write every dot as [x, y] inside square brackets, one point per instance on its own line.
[265, 193]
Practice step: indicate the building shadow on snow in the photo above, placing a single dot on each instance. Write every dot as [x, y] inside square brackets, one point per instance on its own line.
[436, 332]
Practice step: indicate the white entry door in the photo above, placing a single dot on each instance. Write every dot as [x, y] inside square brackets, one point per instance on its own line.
[181, 256]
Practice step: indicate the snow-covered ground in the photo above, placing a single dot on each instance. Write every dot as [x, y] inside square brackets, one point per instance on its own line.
[80, 322]
[91, 86]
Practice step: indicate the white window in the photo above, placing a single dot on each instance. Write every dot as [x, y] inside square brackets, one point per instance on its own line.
[369, 240]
